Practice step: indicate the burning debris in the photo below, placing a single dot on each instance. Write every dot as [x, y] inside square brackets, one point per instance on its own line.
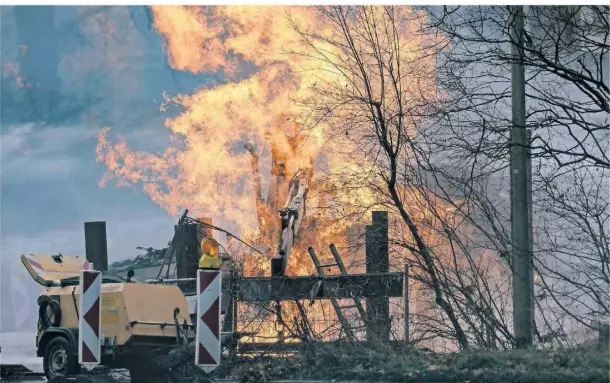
[248, 160]
[152, 258]
[244, 140]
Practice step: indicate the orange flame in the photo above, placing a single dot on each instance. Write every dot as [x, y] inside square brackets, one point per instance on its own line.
[213, 175]
[237, 135]
[244, 139]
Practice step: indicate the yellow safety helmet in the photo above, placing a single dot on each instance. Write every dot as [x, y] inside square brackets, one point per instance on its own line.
[210, 250]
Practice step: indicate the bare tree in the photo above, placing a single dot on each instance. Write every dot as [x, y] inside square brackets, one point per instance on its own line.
[566, 59]
[566, 56]
[420, 103]
[382, 80]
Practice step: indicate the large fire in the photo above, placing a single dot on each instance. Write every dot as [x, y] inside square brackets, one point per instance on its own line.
[235, 136]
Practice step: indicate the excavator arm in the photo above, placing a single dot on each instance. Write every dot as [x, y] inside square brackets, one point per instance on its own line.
[291, 216]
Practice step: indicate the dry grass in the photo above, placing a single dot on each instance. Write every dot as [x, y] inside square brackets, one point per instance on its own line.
[408, 364]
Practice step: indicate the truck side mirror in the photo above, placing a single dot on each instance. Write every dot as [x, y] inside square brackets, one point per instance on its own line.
[130, 275]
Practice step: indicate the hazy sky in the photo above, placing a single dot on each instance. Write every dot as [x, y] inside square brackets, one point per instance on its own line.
[66, 73]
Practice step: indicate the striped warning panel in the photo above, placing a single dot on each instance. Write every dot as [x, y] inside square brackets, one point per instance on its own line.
[207, 351]
[35, 265]
[90, 319]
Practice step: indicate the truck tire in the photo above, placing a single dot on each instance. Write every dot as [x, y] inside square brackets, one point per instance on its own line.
[59, 359]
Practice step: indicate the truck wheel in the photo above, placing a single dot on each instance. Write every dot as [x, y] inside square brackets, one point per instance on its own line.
[59, 359]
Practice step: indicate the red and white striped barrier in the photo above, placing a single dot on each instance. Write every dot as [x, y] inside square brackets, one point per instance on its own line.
[207, 352]
[90, 319]
[35, 265]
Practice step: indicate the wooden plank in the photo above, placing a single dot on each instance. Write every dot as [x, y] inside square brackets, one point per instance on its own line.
[264, 289]
[344, 322]
[334, 286]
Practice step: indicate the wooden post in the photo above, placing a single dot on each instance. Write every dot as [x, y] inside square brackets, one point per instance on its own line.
[604, 334]
[188, 252]
[370, 303]
[491, 340]
[377, 261]
[96, 246]
[406, 302]
[181, 264]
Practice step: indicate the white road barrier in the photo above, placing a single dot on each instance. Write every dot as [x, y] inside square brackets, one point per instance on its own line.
[90, 319]
[208, 351]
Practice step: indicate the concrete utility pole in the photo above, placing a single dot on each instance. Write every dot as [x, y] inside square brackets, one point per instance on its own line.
[523, 277]
[530, 223]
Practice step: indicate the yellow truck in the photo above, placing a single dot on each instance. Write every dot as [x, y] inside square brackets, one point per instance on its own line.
[140, 322]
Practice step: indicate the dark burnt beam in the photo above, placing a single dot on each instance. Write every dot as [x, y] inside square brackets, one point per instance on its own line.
[96, 246]
[336, 286]
[264, 289]
[278, 265]
[188, 251]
